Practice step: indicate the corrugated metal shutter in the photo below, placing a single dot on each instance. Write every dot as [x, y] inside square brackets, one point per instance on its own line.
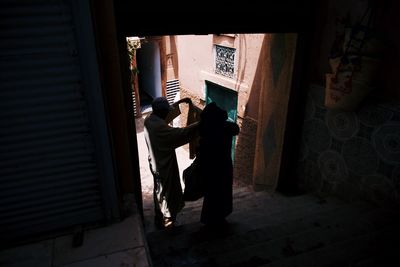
[49, 177]
[172, 88]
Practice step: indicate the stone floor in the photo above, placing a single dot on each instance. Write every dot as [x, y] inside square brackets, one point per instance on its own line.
[276, 230]
[119, 244]
[273, 230]
[264, 230]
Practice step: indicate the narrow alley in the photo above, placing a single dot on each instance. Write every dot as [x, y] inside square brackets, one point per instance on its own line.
[273, 230]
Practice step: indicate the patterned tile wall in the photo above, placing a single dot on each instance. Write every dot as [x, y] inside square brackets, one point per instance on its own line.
[351, 154]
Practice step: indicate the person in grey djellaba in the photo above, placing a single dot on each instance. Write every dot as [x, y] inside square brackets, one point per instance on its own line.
[162, 140]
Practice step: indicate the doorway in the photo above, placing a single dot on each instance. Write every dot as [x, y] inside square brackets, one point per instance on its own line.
[226, 99]
[244, 95]
[149, 74]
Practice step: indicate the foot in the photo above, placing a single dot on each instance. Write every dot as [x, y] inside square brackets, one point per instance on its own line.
[163, 223]
[168, 222]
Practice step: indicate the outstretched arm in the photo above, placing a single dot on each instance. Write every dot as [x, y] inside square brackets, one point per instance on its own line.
[175, 111]
[186, 100]
[176, 137]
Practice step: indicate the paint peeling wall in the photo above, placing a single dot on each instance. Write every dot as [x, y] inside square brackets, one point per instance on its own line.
[354, 154]
[196, 61]
[274, 100]
[196, 57]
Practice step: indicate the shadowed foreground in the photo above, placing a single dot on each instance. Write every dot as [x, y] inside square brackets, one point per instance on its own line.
[275, 230]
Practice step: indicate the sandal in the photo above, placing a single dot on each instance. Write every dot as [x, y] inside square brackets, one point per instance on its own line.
[168, 222]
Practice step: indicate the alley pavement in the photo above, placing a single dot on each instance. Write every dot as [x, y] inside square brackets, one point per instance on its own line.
[276, 230]
[265, 229]
[119, 244]
[273, 229]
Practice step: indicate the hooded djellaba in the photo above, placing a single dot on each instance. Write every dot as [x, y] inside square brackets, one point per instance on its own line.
[214, 153]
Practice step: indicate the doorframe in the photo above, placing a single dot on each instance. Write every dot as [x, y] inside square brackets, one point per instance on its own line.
[288, 182]
[82, 19]
[230, 91]
[283, 28]
[159, 40]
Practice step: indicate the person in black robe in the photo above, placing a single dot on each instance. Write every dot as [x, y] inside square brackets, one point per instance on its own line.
[214, 153]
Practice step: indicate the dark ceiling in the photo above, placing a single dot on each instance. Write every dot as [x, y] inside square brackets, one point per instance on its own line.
[153, 18]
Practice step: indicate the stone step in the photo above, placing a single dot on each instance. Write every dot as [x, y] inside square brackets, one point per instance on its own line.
[267, 228]
[299, 242]
[192, 210]
[244, 198]
[369, 249]
[247, 236]
[265, 211]
[238, 236]
[273, 212]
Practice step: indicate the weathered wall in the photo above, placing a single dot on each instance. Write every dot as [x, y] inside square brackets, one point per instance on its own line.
[354, 154]
[351, 154]
[386, 26]
[196, 66]
[276, 84]
[172, 66]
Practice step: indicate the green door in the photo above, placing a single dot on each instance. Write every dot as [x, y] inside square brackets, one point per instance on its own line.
[225, 99]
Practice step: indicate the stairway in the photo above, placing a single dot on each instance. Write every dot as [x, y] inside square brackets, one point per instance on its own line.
[276, 230]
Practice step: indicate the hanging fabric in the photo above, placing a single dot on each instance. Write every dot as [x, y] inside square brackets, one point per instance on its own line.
[354, 70]
[193, 116]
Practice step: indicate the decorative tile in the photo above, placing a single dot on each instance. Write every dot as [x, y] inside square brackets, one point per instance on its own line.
[319, 113]
[385, 169]
[360, 156]
[373, 115]
[336, 145]
[387, 142]
[343, 125]
[332, 166]
[365, 131]
[316, 135]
